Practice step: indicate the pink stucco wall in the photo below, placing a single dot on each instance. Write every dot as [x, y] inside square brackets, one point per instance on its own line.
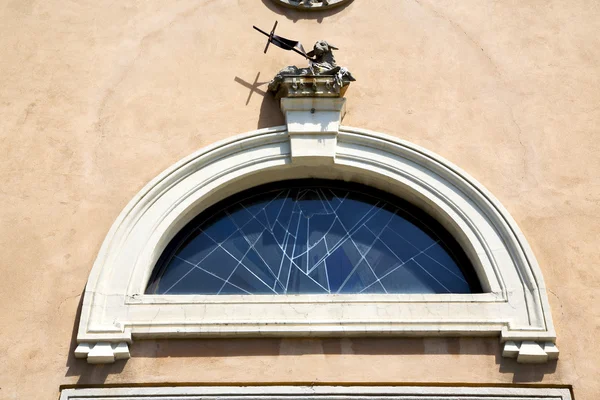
[96, 98]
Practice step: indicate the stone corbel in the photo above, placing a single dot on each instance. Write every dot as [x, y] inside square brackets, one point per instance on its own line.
[102, 352]
[313, 124]
[530, 352]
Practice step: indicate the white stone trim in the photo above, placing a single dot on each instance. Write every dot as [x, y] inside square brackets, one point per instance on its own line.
[102, 352]
[318, 393]
[313, 134]
[529, 352]
[514, 307]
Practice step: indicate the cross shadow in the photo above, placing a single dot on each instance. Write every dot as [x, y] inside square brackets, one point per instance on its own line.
[269, 115]
[252, 86]
[296, 15]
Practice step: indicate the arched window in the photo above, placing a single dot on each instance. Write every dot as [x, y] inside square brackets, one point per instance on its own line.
[313, 237]
[475, 238]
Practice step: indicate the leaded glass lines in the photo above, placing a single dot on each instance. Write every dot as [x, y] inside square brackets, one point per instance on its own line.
[310, 237]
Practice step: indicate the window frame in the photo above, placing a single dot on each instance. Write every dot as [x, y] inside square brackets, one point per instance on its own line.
[318, 393]
[514, 306]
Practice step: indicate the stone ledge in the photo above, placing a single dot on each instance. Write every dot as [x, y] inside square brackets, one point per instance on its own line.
[317, 392]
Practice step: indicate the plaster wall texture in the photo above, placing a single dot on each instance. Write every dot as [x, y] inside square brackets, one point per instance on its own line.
[97, 98]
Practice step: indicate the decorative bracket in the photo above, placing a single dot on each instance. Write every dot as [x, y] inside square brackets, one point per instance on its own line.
[530, 352]
[102, 352]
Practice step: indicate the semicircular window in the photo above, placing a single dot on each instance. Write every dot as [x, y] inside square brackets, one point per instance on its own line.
[313, 237]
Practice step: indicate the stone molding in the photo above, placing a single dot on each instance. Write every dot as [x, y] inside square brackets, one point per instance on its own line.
[514, 306]
[318, 393]
[303, 86]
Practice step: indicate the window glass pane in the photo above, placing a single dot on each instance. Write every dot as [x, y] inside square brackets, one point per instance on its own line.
[313, 237]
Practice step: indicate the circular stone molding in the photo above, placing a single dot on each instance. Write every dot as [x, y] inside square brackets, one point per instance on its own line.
[312, 5]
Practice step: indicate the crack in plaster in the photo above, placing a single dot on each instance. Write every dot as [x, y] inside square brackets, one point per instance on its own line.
[66, 299]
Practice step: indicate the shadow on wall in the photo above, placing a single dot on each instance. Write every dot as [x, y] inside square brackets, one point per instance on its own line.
[222, 348]
[295, 16]
[522, 373]
[270, 114]
[88, 374]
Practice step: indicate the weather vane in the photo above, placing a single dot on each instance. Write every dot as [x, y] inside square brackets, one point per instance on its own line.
[321, 63]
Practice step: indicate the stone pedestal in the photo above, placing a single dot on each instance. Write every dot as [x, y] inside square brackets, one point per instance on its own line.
[313, 115]
[312, 86]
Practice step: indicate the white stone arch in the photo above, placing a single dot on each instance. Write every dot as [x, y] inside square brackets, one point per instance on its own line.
[514, 306]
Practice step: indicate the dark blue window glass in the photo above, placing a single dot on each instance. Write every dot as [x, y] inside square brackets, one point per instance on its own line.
[313, 237]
